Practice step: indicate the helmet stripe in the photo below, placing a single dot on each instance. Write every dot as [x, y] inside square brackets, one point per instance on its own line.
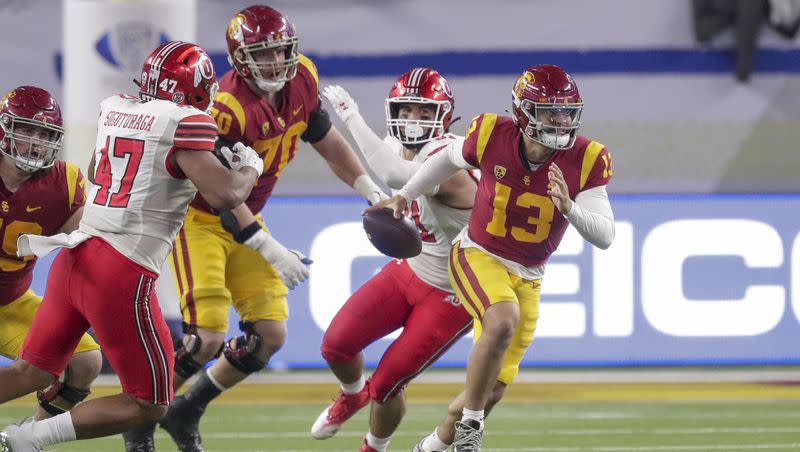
[414, 79]
[158, 61]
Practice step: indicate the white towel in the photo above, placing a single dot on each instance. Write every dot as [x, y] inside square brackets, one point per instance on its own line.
[40, 245]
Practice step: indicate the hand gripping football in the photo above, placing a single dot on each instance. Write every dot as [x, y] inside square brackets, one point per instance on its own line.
[397, 238]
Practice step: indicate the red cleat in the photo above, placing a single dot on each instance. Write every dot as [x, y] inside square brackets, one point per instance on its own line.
[366, 448]
[336, 414]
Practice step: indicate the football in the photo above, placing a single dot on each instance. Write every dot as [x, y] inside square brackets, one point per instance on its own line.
[397, 238]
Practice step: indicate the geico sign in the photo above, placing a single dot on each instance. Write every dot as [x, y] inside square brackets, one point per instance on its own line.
[659, 263]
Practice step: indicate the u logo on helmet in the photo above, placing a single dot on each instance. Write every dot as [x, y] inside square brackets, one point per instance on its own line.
[522, 82]
[203, 70]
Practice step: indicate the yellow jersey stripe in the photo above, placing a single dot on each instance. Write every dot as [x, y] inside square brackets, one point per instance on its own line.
[72, 183]
[487, 126]
[589, 157]
[233, 104]
[462, 287]
[305, 61]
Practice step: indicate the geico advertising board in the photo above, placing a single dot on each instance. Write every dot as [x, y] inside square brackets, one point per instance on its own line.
[688, 280]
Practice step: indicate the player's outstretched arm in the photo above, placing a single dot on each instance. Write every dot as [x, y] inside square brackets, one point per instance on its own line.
[221, 187]
[390, 168]
[434, 171]
[342, 160]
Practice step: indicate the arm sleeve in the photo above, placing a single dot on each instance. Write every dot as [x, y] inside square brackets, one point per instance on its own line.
[437, 169]
[390, 168]
[592, 216]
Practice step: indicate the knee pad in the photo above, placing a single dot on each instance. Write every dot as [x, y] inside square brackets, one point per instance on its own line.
[241, 351]
[185, 364]
[60, 388]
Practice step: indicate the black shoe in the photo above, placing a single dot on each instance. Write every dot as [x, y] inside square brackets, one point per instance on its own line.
[182, 423]
[140, 439]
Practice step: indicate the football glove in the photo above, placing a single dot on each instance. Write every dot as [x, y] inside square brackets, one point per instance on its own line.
[242, 156]
[290, 264]
[344, 105]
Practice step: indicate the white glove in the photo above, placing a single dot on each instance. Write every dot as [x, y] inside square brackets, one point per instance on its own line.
[243, 156]
[290, 264]
[368, 189]
[344, 105]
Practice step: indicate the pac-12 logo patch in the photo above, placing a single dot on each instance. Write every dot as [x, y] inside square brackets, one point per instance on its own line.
[127, 44]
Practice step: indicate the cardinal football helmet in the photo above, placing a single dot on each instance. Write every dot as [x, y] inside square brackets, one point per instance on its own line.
[422, 86]
[31, 128]
[257, 29]
[180, 72]
[547, 106]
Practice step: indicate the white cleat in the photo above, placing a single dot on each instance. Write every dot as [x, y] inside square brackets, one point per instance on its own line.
[5, 445]
[469, 436]
[13, 439]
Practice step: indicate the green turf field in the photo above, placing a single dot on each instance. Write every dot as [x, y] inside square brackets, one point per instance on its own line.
[542, 417]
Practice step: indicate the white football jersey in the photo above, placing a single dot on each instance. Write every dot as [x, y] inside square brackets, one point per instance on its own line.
[438, 224]
[141, 198]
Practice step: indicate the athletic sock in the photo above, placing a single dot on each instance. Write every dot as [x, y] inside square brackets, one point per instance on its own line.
[379, 444]
[355, 387]
[467, 414]
[54, 430]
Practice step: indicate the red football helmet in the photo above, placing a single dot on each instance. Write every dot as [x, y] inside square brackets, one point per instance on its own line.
[421, 86]
[31, 128]
[547, 106]
[259, 29]
[180, 72]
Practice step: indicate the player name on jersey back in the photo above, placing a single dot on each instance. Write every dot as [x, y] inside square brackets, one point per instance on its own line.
[141, 196]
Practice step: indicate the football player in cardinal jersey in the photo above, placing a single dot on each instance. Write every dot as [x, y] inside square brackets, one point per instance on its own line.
[538, 177]
[153, 153]
[414, 294]
[39, 195]
[269, 101]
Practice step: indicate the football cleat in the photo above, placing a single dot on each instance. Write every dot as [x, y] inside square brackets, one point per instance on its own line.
[182, 422]
[366, 447]
[469, 436]
[5, 445]
[140, 439]
[336, 414]
[13, 440]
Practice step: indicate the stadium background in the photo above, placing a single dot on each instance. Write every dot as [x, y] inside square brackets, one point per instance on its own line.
[706, 266]
[694, 150]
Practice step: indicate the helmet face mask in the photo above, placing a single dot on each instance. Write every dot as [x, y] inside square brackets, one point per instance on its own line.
[263, 47]
[418, 130]
[547, 106]
[419, 107]
[270, 74]
[31, 131]
[552, 125]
